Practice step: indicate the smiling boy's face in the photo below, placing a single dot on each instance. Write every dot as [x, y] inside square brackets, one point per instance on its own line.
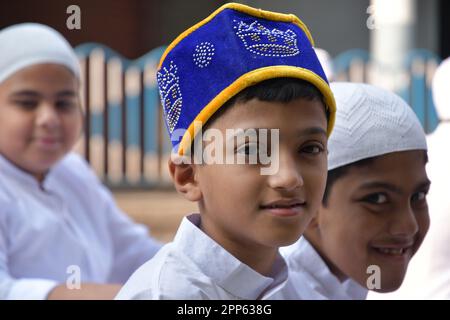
[244, 210]
[40, 116]
[375, 214]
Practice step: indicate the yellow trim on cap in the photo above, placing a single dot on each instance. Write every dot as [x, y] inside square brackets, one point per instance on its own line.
[268, 15]
[251, 78]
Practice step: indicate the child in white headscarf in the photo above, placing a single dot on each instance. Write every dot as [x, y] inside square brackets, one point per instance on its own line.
[374, 212]
[428, 276]
[61, 234]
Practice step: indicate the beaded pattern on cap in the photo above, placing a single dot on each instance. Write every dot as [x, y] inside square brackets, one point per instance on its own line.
[264, 42]
[170, 92]
[203, 55]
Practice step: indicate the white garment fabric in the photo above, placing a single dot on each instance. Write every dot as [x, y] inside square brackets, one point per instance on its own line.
[441, 93]
[311, 279]
[68, 221]
[27, 44]
[367, 119]
[195, 267]
[428, 275]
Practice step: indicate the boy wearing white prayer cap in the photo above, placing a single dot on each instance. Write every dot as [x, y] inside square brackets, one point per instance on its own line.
[58, 224]
[374, 213]
[428, 275]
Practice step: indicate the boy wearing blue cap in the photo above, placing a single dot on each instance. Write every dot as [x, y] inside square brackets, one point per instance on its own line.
[241, 70]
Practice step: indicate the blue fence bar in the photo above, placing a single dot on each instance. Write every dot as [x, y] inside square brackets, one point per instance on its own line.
[356, 66]
[125, 140]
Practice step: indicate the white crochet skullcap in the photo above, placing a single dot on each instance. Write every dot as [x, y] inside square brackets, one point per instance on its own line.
[441, 90]
[27, 44]
[370, 122]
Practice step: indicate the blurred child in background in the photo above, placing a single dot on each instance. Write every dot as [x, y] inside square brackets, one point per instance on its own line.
[58, 223]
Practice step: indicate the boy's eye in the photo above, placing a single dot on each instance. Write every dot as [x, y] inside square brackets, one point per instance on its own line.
[376, 198]
[65, 104]
[419, 196]
[26, 104]
[312, 149]
[248, 149]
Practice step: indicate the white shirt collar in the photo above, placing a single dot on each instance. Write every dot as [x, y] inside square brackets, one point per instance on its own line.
[226, 270]
[25, 178]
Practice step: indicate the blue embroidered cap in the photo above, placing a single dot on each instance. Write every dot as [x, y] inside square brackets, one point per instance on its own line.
[235, 47]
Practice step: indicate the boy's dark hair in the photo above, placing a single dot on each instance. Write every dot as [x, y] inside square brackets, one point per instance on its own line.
[335, 174]
[275, 90]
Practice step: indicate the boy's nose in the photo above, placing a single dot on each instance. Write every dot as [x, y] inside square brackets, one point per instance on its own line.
[47, 116]
[404, 223]
[288, 176]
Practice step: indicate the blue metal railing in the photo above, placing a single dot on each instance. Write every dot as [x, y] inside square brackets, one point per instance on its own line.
[420, 64]
[124, 139]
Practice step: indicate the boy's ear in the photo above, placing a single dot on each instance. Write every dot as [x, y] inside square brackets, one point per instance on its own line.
[312, 232]
[183, 176]
[314, 224]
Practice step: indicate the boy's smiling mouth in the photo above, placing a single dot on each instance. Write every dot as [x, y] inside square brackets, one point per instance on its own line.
[285, 207]
[399, 251]
[48, 142]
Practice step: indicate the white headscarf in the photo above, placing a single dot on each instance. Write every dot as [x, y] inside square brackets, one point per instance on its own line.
[441, 90]
[28, 44]
[370, 122]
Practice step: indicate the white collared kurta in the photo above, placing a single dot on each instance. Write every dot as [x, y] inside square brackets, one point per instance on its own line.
[68, 223]
[195, 267]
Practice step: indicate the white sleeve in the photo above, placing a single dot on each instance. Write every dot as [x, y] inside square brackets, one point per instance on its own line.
[28, 289]
[15, 289]
[132, 242]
